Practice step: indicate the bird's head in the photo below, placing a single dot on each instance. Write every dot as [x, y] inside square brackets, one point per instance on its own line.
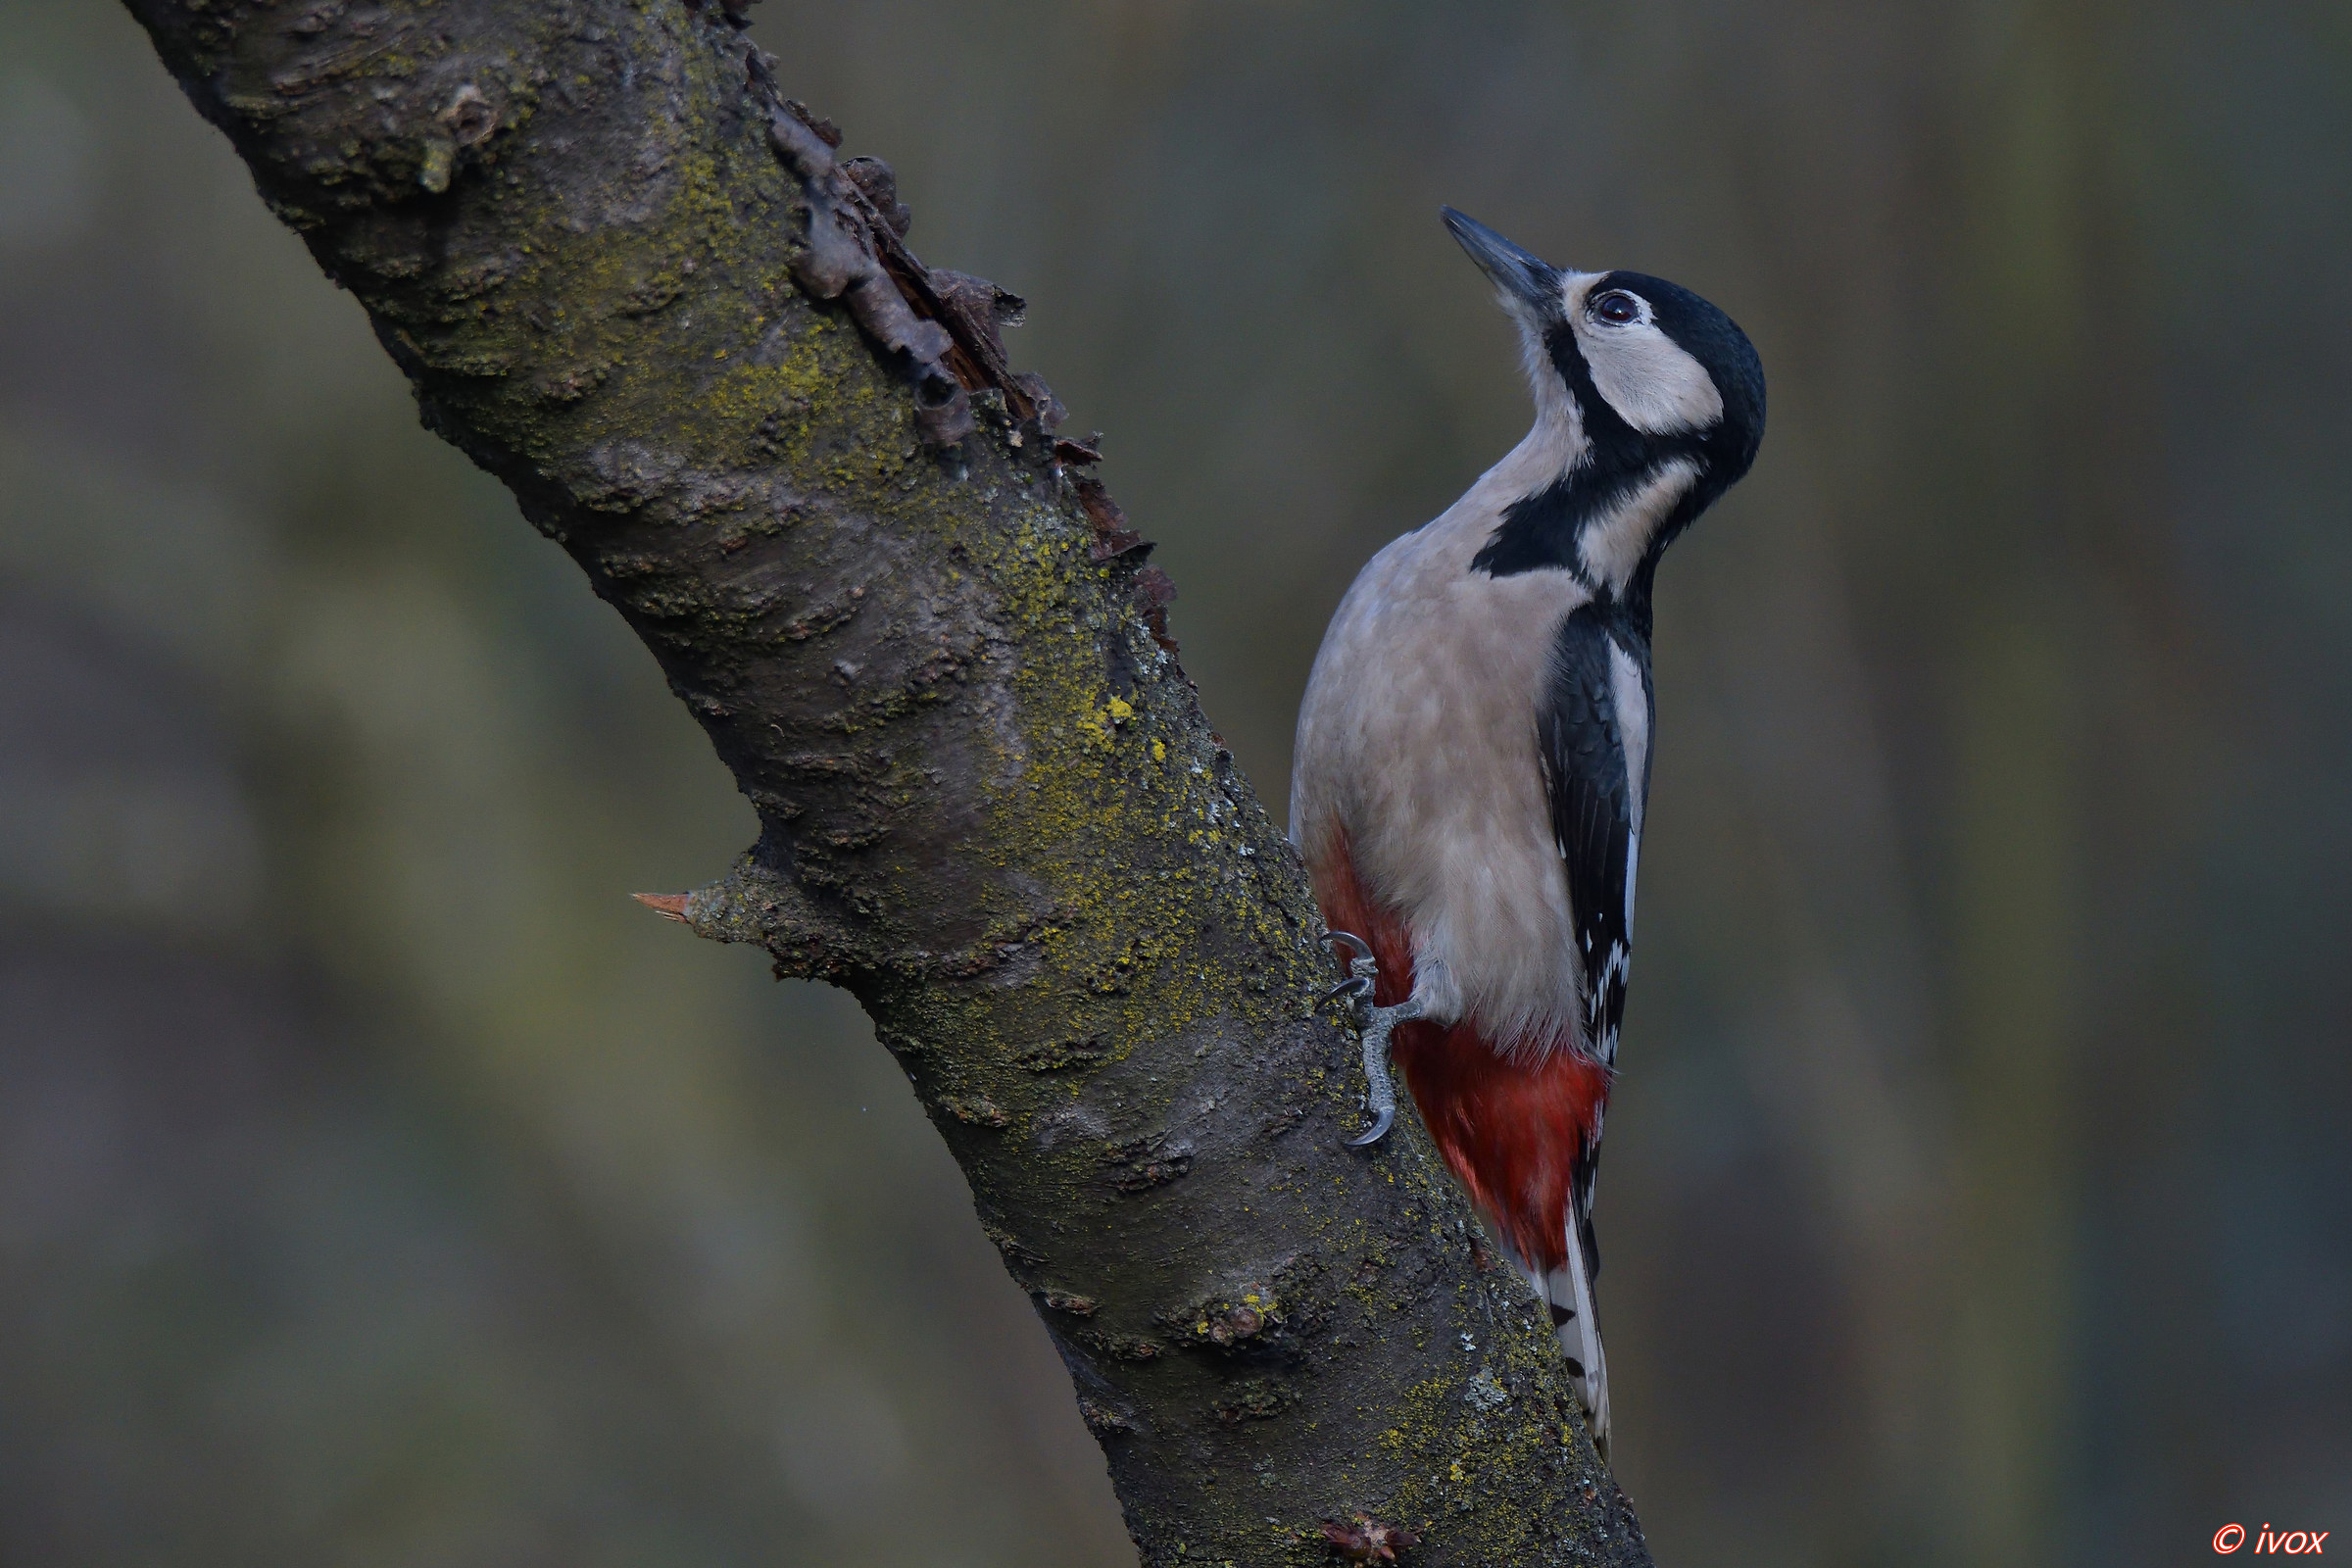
[1649, 404]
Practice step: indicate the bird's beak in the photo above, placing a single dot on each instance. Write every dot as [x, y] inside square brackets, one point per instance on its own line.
[1527, 281]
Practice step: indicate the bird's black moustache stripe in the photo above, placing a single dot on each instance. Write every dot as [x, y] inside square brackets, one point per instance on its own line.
[1619, 462]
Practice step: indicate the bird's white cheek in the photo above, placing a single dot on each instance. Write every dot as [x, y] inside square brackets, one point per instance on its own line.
[1650, 380]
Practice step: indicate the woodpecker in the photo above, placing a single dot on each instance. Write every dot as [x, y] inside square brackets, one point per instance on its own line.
[1474, 752]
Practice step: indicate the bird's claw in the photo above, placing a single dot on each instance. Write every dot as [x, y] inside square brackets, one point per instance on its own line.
[1362, 970]
[1373, 1025]
[1351, 988]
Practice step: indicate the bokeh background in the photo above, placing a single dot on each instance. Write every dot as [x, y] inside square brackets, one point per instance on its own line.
[379, 1186]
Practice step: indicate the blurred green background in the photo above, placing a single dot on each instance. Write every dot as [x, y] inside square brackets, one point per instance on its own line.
[379, 1186]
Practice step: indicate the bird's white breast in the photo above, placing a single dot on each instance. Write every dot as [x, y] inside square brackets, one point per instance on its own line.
[1417, 738]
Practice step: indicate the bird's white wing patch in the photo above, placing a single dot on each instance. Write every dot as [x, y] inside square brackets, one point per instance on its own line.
[1630, 700]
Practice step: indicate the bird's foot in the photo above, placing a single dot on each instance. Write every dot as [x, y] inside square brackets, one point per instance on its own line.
[1380, 1094]
[1372, 1025]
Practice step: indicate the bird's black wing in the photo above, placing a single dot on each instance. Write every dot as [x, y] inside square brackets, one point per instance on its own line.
[1599, 671]
[1596, 804]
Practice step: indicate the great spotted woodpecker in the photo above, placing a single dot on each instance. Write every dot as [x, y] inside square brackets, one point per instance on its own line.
[1474, 750]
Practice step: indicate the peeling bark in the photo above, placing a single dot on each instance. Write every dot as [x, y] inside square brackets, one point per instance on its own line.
[630, 278]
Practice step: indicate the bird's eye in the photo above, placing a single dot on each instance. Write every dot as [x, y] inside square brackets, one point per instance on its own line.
[1617, 307]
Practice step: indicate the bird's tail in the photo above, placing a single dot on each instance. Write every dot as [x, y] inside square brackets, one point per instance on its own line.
[1569, 1290]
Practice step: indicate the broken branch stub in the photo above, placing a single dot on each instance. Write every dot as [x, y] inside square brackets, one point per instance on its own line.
[633, 281]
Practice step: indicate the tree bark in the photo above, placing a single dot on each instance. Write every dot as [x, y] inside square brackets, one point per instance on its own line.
[632, 282]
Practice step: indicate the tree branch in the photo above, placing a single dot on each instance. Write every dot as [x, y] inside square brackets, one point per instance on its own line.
[633, 283]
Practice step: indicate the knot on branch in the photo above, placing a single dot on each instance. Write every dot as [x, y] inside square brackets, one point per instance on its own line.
[1364, 1539]
[1241, 1317]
